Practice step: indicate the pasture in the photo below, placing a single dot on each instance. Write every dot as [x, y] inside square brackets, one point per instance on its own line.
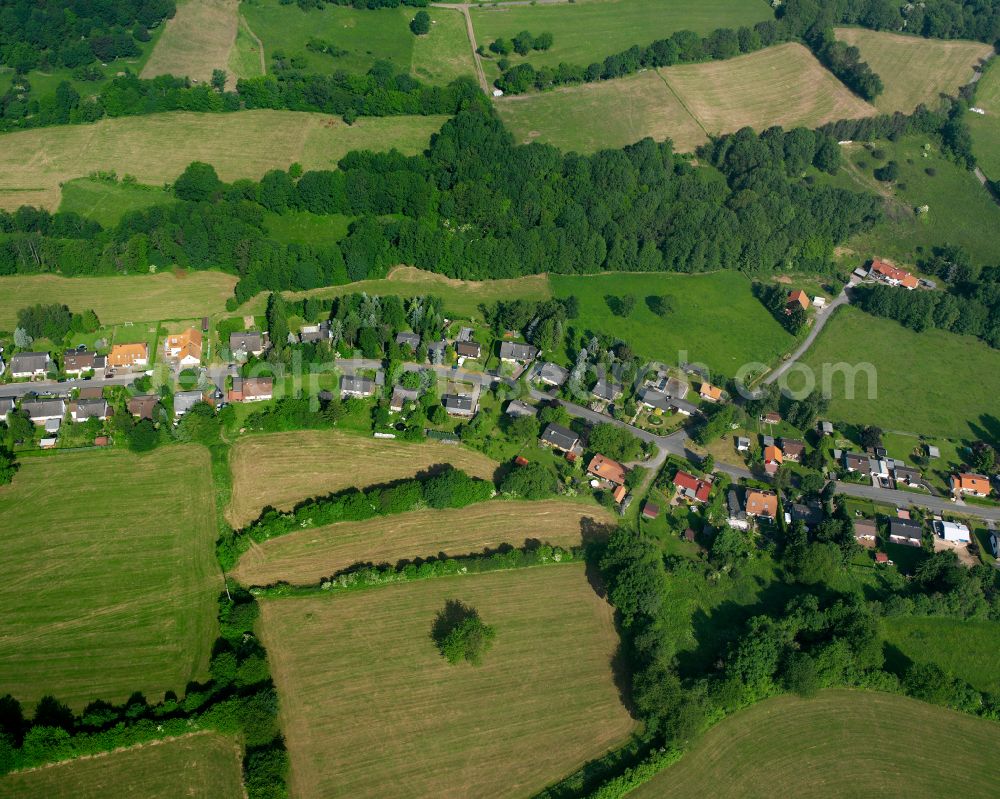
[589, 30]
[716, 319]
[106, 202]
[965, 649]
[282, 469]
[197, 766]
[363, 36]
[783, 85]
[110, 575]
[370, 709]
[307, 556]
[838, 745]
[196, 41]
[118, 299]
[156, 148]
[915, 70]
[986, 128]
[932, 383]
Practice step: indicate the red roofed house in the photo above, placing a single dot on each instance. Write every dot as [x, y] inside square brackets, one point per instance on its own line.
[619, 494]
[251, 389]
[772, 459]
[607, 469]
[691, 487]
[762, 503]
[887, 273]
[976, 484]
[881, 557]
[797, 299]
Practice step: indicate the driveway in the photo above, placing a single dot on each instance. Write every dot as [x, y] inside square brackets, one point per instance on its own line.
[821, 318]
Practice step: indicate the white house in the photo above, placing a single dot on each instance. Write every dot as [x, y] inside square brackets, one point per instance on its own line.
[950, 531]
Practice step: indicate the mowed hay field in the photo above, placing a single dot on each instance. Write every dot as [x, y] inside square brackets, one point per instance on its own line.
[196, 41]
[840, 745]
[986, 127]
[134, 298]
[588, 30]
[965, 649]
[716, 319]
[307, 556]
[282, 469]
[157, 148]
[197, 766]
[370, 709]
[915, 70]
[783, 85]
[929, 383]
[611, 113]
[110, 577]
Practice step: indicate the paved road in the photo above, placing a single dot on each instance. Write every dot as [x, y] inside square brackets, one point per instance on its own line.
[54, 387]
[908, 499]
[821, 319]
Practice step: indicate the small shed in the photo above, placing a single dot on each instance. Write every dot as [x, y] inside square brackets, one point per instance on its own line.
[650, 510]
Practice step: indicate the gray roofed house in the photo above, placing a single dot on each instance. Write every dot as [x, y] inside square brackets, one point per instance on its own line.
[435, 351]
[465, 334]
[904, 474]
[767, 441]
[100, 363]
[607, 390]
[185, 401]
[6, 406]
[519, 408]
[459, 404]
[85, 409]
[76, 362]
[742, 444]
[40, 411]
[468, 349]
[826, 428]
[312, 334]
[559, 437]
[675, 387]
[654, 399]
[247, 343]
[401, 396]
[355, 386]
[30, 364]
[933, 452]
[737, 515]
[552, 374]
[53, 425]
[682, 407]
[407, 339]
[903, 531]
[511, 351]
[809, 514]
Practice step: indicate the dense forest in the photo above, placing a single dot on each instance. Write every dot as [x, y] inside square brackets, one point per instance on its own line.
[476, 205]
[75, 33]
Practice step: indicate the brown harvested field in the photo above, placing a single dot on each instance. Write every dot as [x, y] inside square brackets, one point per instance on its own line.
[915, 70]
[157, 148]
[132, 298]
[202, 765]
[783, 85]
[307, 556]
[196, 41]
[370, 709]
[578, 117]
[282, 469]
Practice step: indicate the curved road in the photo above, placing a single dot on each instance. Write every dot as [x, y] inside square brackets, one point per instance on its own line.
[821, 319]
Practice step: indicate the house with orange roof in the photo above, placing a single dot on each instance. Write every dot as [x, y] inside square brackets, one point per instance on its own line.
[185, 348]
[710, 392]
[978, 485]
[762, 503]
[607, 469]
[129, 356]
[892, 275]
[797, 299]
[772, 459]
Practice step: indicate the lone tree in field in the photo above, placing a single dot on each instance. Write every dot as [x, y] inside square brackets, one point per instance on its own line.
[460, 634]
[421, 23]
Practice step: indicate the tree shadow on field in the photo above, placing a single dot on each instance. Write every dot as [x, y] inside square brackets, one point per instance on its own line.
[452, 615]
[896, 662]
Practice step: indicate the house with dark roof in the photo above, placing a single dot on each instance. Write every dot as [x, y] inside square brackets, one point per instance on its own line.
[512, 352]
[519, 408]
[854, 462]
[436, 350]
[552, 374]
[407, 339]
[771, 417]
[792, 449]
[143, 405]
[559, 437]
[737, 515]
[656, 400]
[6, 406]
[810, 514]
[906, 532]
[314, 334]
[682, 407]
[468, 349]
[40, 411]
[607, 390]
[185, 401]
[459, 404]
[865, 532]
[85, 409]
[31, 365]
[247, 343]
[356, 386]
[76, 362]
[401, 396]
[904, 474]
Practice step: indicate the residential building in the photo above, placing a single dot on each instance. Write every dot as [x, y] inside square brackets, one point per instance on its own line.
[185, 401]
[459, 404]
[906, 532]
[76, 362]
[761, 504]
[6, 406]
[251, 389]
[742, 444]
[674, 387]
[772, 459]
[933, 452]
[682, 407]
[792, 449]
[737, 515]
[247, 343]
[468, 349]
[650, 510]
[401, 396]
[690, 487]
[436, 350]
[52, 426]
[893, 276]
[810, 514]
[519, 408]
[552, 374]
[977, 485]
[857, 463]
[865, 532]
[85, 409]
[559, 437]
[129, 356]
[314, 334]
[513, 352]
[819, 301]
[408, 339]
[91, 392]
[31, 365]
[607, 469]
[825, 428]
[619, 494]
[40, 411]
[709, 392]
[654, 399]
[143, 405]
[607, 390]
[185, 348]
[356, 386]
[464, 334]
[797, 299]
[904, 474]
[771, 417]
[951, 531]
